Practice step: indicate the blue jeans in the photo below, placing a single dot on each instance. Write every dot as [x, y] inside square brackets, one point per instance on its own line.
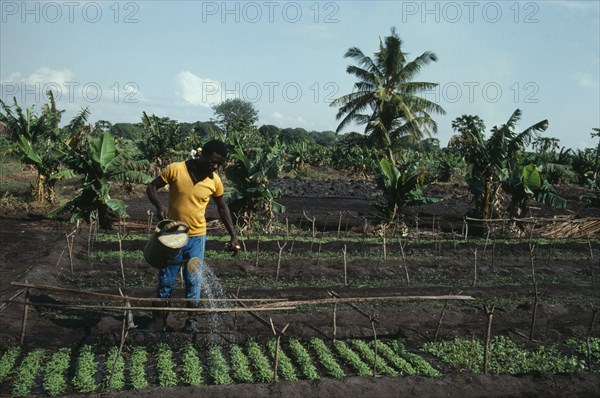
[168, 275]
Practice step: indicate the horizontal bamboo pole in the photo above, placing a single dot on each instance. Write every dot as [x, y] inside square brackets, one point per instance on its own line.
[167, 309]
[125, 298]
[362, 299]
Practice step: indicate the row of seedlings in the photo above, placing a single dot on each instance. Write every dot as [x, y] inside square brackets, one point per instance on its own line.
[84, 372]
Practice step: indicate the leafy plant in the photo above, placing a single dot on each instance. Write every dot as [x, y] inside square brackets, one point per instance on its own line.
[114, 380]
[250, 174]
[218, 369]
[137, 368]
[394, 359]
[191, 366]
[26, 373]
[368, 355]
[7, 362]
[351, 358]
[327, 358]
[304, 360]
[422, 367]
[505, 357]
[99, 162]
[240, 365]
[262, 368]
[165, 367]
[85, 371]
[285, 366]
[401, 188]
[55, 372]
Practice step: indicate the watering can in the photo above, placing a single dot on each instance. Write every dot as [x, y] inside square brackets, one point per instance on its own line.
[164, 245]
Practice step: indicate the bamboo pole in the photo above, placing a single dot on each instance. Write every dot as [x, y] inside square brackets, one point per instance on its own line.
[351, 305]
[344, 300]
[166, 309]
[120, 298]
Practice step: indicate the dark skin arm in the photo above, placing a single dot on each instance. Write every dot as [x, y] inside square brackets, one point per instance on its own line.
[152, 193]
[225, 215]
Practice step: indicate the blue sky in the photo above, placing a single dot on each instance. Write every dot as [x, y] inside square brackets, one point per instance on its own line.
[178, 58]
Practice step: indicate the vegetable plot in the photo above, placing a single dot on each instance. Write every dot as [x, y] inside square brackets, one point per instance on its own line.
[95, 372]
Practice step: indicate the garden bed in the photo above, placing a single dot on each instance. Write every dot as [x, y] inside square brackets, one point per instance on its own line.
[310, 255]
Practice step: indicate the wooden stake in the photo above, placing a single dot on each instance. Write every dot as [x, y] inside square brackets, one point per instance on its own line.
[334, 321]
[344, 251]
[339, 225]
[439, 324]
[535, 291]
[277, 345]
[257, 249]
[486, 349]
[475, 267]
[279, 259]
[24, 320]
[372, 319]
[591, 259]
[588, 338]
[402, 244]
[120, 239]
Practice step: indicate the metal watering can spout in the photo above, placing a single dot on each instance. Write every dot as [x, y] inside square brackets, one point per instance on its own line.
[168, 239]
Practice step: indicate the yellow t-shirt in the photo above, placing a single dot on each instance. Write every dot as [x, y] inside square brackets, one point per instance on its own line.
[187, 202]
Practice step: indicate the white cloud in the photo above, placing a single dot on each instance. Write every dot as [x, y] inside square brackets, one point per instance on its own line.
[201, 91]
[585, 80]
[42, 76]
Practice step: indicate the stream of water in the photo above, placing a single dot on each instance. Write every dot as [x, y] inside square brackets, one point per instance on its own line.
[213, 289]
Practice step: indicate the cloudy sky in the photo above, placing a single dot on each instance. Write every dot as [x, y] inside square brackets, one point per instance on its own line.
[178, 58]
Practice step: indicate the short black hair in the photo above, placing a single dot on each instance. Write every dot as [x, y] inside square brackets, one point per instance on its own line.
[215, 146]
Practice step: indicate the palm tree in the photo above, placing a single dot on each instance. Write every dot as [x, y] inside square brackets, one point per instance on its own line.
[386, 97]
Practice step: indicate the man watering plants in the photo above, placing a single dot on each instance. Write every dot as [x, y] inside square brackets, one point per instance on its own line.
[191, 185]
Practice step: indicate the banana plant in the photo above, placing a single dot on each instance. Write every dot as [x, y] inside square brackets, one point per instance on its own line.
[250, 174]
[401, 188]
[98, 162]
[493, 164]
[35, 139]
[525, 183]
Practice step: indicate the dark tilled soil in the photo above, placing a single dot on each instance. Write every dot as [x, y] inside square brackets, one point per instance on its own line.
[34, 250]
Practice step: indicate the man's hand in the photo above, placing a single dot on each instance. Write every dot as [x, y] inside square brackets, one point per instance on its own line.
[162, 212]
[233, 246]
